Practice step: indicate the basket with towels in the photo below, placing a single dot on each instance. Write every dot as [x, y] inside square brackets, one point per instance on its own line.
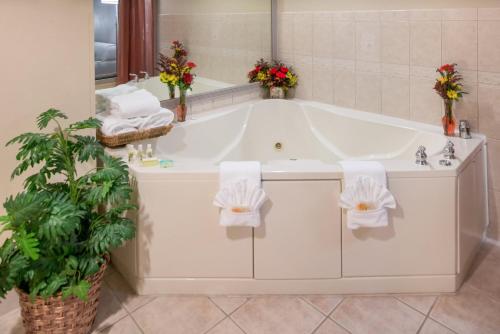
[129, 114]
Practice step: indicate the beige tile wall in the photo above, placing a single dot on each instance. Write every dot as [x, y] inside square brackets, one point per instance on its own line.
[225, 46]
[385, 62]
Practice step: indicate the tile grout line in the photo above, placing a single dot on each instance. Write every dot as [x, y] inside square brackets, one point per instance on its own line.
[439, 322]
[228, 315]
[335, 321]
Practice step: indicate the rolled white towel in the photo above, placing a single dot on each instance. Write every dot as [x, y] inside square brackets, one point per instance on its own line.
[161, 118]
[139, 103]
[112, 125]
[103, 96]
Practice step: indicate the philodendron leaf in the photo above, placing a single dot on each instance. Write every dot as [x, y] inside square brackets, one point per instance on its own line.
[55, 283]
[27, 244]
[91, 123]
[44, 119]
[80, 290]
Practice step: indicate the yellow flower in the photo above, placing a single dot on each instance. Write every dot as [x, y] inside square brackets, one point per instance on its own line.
[261, 76]
[169, 79]
[163, 77]
[453, 95]
[292, 78]
[443, 80]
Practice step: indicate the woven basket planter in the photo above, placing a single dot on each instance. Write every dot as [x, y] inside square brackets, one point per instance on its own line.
[57, 316]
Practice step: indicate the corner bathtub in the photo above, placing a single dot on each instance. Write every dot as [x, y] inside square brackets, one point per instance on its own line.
[303, 245]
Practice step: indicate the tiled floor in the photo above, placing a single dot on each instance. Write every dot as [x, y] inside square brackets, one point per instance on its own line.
[475, 309]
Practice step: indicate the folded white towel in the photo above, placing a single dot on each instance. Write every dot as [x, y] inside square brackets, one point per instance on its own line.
[241, 195]
[103, 96]
[366, 197]
[139, 103]
[161, 118]
[112, 125]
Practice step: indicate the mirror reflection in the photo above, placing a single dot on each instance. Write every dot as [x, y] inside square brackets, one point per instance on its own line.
[136, 41]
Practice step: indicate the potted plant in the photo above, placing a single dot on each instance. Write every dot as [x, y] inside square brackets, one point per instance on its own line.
[63, 225]
[449, 87]
[277, 77]
[176, 71]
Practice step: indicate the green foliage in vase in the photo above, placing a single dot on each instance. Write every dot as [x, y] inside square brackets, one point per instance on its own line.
[64, 223]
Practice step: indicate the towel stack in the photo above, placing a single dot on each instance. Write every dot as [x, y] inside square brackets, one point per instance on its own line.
[125, 109]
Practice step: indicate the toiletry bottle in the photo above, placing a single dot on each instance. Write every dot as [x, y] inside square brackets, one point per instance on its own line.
[149, 151]
[130, 152]
[140, 152]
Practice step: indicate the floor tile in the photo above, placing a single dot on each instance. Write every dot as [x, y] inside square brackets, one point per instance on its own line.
[186, 315]
[124, 326]
[420, 303]
[229, 304]
[125, 294]
[432, 327]
[330, 327]
[10, 303]
[109, 310]
[277, 314]
[11, 323]
[470, 311]
[377, 315]
[227, 326]
[485, 272]
[324, 303]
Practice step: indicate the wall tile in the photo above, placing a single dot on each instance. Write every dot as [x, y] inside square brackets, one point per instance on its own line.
[489, 111]
[467, 108]
[489, 78]
[368, 15]
[425, 43]
[425, 104]
[344, 85]
[494, 163]
[460, 43]
[302, 34]
[396, 91]
[368, 41]
[344, 33]
[488, 14]
[322, 35]
[322, 80]
[368, 92]
[425, 15]
[394, 15]
[285, 33]
[494, 210]
[303, 67]
[460, 14]
[395, 42]
[489, 48]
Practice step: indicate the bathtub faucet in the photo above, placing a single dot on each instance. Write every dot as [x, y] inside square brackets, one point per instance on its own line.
[421, 156]
[145, 75]
[135, 77]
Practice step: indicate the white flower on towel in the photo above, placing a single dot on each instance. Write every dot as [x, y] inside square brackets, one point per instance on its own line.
[240, 197]
[366, 195]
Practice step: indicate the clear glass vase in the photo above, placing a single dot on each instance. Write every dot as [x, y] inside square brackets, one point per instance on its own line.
[448, 120]
[181, 109]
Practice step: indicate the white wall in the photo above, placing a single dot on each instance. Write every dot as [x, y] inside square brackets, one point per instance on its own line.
[47, 61]
[213, 6]
[320, 5]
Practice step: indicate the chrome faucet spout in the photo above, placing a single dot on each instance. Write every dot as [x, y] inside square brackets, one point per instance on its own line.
[135, 77]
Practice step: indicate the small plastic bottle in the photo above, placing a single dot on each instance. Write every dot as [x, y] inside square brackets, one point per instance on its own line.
[149, 151]
[130, 153]
[140, 152]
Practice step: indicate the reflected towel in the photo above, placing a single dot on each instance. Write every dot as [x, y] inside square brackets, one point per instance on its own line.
[139, 103]
[365, 197]
[240, 195]
[112, 125]
[103, 96]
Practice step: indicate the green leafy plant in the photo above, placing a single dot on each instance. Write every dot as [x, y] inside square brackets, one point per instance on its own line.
[64, 223]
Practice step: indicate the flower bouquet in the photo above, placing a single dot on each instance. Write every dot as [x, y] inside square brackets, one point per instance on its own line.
[275, 76]
[176, 72]
[448, 86]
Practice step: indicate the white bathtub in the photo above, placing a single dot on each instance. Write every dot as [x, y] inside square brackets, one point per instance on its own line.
[200, 85]
[303, 245]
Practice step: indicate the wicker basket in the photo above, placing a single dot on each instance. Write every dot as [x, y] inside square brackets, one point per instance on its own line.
[127, 138]
[57, 316]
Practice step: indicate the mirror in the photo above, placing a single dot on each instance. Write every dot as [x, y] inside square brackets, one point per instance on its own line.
[224, 38]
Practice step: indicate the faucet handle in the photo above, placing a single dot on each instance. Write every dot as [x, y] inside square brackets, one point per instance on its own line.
[449, 150]
[146, 75]
[421, 156]
[135, 77]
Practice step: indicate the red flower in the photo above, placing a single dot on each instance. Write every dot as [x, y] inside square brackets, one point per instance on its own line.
[273, 70]
[257, 68]
[190, 64]
[447, 68]
[187, 78]
[281, 75]
[284, 70]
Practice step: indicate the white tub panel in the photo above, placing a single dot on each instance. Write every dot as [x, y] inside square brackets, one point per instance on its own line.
[420, 238]
[300, 235]
[179, 235]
